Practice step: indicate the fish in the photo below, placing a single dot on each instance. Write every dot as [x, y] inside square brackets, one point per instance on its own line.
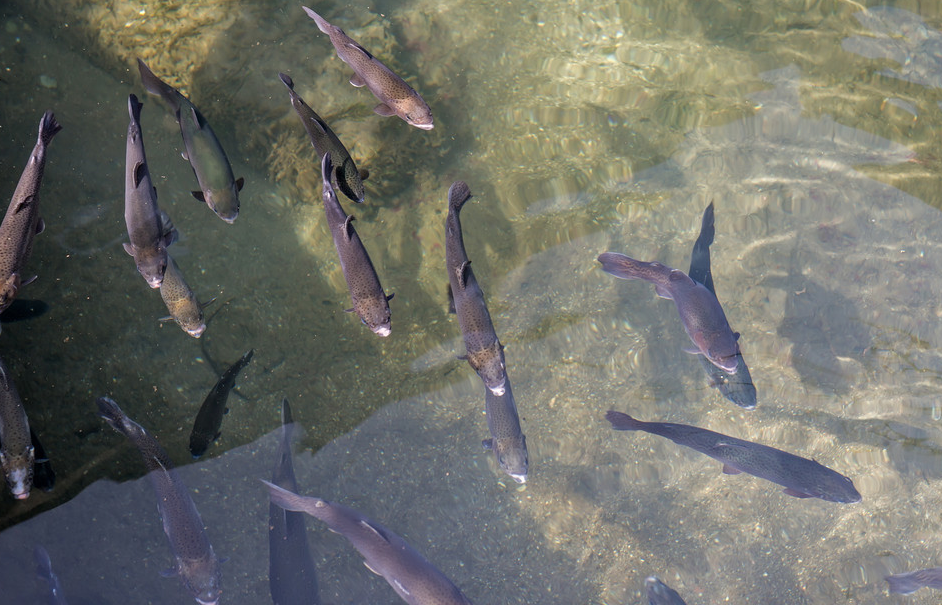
[396, 98]
[209, 418]
[195, 561]
[181, 301]
[483, 349]
[44, 477]
[219, 188]
[22, 221]
[908, 583]
[660, 593]
[700, 311]
[414, 579]
[801, 478]
[345, 176]
[147, 240]
[44, 572]
[507, 441]
[370, 302]
[17, 455]
[291, 574]
[736, 386]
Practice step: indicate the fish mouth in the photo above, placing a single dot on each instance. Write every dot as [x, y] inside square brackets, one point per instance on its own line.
[230, 220]
[383, 331]
[21, 495]
[424, 126]
[498, 390]
[197, 332]
[521, 479]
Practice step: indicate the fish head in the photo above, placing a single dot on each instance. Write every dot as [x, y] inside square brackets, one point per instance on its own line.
[727, 363]
[512, 457]
[194, 328]
[151, 264]
[415, 112]
[840, 489]
[18, 471]
[489, 364]
[224, 202]
[201, 579]
[374, 313]
[8, 291]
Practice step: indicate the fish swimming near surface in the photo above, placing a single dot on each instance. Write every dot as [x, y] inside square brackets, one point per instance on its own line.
[507, 441]
[660, 593]
[291, 574]
[218, 186]
[195, 561]
[736, 386]
[396, 98]
[44, 477]
[370, 302]
[17, 455]
[908, 583]
[799, 476]
[483, 349]
[22, 222]
[700, 311]
[345, 175]
[181, 301]
[44, 571]
[414, 579]
[209, 418]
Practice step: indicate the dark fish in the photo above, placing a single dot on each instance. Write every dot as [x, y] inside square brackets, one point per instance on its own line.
[181, 301]
[908, 583]
[799, 476]
[660, 593]
[483, 349]
[17, 456]
[507, 441]
[209, 418]
[369, 300]
[396, 98]
[22, 221]
[291, 574]
[700, 312]
[44, 571]
[218, 186]
[413, 578]
[345, 176]
[43, 476]
[736, 386]
[148, 244]
[23, 309]
[195, 560]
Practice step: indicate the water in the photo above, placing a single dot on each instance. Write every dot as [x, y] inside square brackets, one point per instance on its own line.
[581, 127]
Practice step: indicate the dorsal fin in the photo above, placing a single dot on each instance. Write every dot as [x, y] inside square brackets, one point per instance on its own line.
[353, 45]
[376, 530]
[139, 169]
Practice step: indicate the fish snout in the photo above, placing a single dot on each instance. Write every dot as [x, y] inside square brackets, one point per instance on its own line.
[383, 330]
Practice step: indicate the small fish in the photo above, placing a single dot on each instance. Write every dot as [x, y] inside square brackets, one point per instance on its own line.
[17, 456]
[801, 478]
[346, 177]
[195, 561]
[386, 554]
[700, 312]
[209, 418]
[148, 244]
[483, 349]
[22, 221]
[291, 575]
[218, 187]
[908, 583]
[43, 476]
[660, 593]
[44, 571]
[396, 98]
[507, 441]
[370, 302]
[181, 301]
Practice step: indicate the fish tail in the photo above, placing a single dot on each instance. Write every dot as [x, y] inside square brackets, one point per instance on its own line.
[622, 421]
[321, 23]
[904, 583]
[287, 81]
[620, 266]
[458, 194]
[289, 500]
[109, 410]
[48, 127]
[156, 86]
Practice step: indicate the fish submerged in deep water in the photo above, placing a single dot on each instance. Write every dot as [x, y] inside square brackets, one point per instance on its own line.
[44, 571]
[17, 455]
[181, 301]
[396, 98]
[196, 562]
[370, 302]
[660, 593]
[209, 418]
[483, 349]
[801, 478]
[22, 222]
[700, 311]
[218, 186]
[345, 175]
[414, 579]
[507, 441]
[908, 583]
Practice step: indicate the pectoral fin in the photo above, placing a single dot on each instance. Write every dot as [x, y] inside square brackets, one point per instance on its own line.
[384, 110]
[199, 196]
[40, 226]
[240, 182]
[357, 81]
[729, 470]
[128, 248]
[488, 444]
[663, 292]
[796, 493]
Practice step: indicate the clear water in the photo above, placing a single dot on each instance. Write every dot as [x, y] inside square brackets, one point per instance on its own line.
[581, 127]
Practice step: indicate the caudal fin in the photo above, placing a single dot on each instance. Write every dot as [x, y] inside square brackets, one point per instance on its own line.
[289, 500]
[619, 265]
[287, 81]
[458, 194]
[321, 23]
[109, 410]
[48, 127]
[156, 86]
[904, 583]
[622, 421]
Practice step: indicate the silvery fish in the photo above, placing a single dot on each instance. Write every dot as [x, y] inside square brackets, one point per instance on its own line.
[483, 349]
[345, 176]
[196, 562]
[700, 312]
[660, 593]
[414, 579]
[396, 98]
[801, 478]
[44, 571]
[218, 186]
[507, 441]
[181, 301]
[370, 302]
[209, 418]
[22, 221]
[17, 456]
[908, 583]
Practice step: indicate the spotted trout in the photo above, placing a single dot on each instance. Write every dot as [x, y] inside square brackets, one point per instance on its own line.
[507, 441]
[195, 561]
[209, 418]
[414, 579]
[17, 455]
[181, 301]
[660, 593]
[218, 186]
[22, 221]
[396, 98]
[370, 302]
[483, 349]
[345, 175]
[801, 478]
[700, 311]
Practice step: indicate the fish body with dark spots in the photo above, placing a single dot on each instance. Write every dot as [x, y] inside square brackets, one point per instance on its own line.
[660, 593]
[17, 454]
[507, 440]
[209, 418]
[185, 309]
